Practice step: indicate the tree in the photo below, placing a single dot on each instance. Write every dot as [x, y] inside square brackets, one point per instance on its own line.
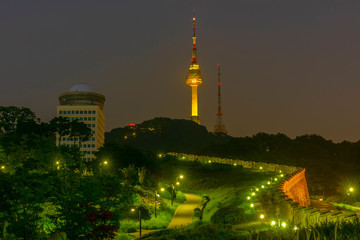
[11, 116]
[61, 126]
[79, 131]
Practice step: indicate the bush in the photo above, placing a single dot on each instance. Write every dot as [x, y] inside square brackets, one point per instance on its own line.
[197, 212]
[128, 226]
[228, 215]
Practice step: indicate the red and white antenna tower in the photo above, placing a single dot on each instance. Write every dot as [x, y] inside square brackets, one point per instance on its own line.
[219, 126]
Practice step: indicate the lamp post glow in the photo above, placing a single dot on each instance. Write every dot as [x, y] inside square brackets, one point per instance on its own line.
[248, 198]
[283, 224]
[139, 209]
[2, 167]
[181, 176]
[253, 193]
[251, 205]
[273, 223]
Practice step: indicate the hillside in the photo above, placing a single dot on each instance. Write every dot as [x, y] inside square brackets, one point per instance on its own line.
[165, 135]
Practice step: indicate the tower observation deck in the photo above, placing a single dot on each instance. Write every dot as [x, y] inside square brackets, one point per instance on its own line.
[194, 78]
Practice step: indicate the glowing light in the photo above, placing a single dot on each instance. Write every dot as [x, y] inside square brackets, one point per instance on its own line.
[262, 216]
[248, 198]
[157, 195]
[105, 162]
[269, 183]
[57, 163]
[160, 155]
[181, 176]
[253, 194]
[262, 186]
[280, 171]
[252, 205]
[283, 224]
[183, 157]
[133, 209]
[134, 134]
[273, 223]
[177, 183]
[295, 228]
[260, 168]
[209, 161]
[281, 175]
[2, 167]
[162, 189]
[275, 179]
[234, 164]
[351, 189]
[125, 137]
[257, 189]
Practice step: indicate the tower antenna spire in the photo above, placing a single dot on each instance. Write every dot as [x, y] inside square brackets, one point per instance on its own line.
[219, 126]
[194, 77]
[194, 58]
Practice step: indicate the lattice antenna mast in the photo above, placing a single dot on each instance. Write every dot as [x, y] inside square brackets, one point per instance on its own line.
[219, 93]
[219, 126]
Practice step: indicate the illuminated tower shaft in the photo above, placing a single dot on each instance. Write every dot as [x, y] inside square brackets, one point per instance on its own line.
[194, 78]
[219, 126]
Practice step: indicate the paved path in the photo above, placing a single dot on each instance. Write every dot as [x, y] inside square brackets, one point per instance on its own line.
[184, 213]
[321, 205]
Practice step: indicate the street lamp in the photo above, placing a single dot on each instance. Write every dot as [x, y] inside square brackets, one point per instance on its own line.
[102, 163]
[57, 165]
[156, 200]
[2, 167]
[139, 209]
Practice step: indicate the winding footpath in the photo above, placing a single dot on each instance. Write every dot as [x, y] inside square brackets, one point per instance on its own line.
[184, 213]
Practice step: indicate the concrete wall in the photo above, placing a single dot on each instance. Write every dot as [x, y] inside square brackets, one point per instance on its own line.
[290, 199]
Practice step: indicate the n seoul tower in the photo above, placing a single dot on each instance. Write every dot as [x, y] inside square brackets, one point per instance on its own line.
[194, 78]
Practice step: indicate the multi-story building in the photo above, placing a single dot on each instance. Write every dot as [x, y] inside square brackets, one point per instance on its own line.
[84, 104]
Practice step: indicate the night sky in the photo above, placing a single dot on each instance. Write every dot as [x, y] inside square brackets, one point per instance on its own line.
[287, 66]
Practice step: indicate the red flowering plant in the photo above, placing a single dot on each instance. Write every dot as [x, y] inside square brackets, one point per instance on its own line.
[104, 224]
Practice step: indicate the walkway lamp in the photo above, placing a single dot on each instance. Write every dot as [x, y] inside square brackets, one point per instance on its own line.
[248, 198]
[283, 224]
[139, 209]
[273, 223]
[156, 201]
[251, 205]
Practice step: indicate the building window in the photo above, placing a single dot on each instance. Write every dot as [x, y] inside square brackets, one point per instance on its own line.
[68, 112]
[60, 112]
[93, 112]
[93, 119]
[77, 112]
[72, 112]
[93, 125]
[81, 119]
[85, 119]
[93, 139]
[93, 132]
[81, 112]
[93, 146]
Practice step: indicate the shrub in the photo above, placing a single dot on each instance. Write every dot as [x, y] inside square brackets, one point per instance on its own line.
[228, 215]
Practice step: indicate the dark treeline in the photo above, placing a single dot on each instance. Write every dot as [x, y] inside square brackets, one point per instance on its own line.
[50, 192]
[330, 166]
